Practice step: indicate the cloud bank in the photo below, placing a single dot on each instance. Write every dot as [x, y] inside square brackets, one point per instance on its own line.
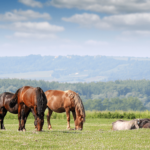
[139, 21]
[31, 3]
[105, 6]
[20, 15]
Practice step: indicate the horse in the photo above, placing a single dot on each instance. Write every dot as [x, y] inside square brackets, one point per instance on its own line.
[147, 125]
[33, 98]
[143, 123]
[4, 107]
[125, 125]
[65, 101]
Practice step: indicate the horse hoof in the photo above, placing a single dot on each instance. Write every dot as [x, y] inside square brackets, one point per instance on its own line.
[24, 130]
[49, 127]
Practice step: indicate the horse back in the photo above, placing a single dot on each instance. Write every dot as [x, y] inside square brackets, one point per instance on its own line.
[5, 99]
[57, 100]
[27, 95]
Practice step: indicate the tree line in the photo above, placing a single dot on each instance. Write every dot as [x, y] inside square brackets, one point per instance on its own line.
[125, 104]
[114, 92]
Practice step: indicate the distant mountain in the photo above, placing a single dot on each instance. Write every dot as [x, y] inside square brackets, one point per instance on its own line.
[75, 68]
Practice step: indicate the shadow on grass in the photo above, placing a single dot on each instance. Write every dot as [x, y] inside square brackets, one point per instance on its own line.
[53, 131]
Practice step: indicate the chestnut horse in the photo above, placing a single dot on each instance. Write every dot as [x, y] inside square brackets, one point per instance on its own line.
[4, 107]
[33, 98]
[65, 101]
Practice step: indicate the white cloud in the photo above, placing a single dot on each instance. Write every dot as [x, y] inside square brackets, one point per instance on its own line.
[34, 35]
[105, 6]
[83, 19]
[34, 27]
[139, 21]
[31, 3]
[20, 15]
[36, 30]
[136, 33]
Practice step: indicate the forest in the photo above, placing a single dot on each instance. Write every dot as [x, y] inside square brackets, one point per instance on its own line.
[111, 95]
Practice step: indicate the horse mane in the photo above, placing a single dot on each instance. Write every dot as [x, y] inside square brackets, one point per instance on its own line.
[79, 105]
[14, 99]
[41, 102]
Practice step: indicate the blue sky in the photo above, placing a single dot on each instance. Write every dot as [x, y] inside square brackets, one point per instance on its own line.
[75, 27]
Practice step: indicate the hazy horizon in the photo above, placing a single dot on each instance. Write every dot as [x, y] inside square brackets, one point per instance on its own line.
[77, 55]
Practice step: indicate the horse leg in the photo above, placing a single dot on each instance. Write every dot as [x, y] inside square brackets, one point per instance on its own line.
[74, 116]
[34, 112]
[35, 122]
[24, 114]
[25, 118]
[68, 117]
[48, 118]
[2, 122]
[22, 118]
[19, 116]
[3, 112]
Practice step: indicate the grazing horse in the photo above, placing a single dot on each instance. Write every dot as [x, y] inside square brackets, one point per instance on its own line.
[65, 101]
[4, 107]
[33, 98]
[125, 125]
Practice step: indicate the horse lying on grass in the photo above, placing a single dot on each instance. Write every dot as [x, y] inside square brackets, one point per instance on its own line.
[4, 107]
[66, 101]
[125, 125]
[144, 123]
[33, 98]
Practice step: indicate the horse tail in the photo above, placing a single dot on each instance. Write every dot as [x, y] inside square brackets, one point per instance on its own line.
[14, 99]
[41, 102]
[79, 105]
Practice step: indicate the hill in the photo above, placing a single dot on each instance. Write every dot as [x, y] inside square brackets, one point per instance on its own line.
[75, 68]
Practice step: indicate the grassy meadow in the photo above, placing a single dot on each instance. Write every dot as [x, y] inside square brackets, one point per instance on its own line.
[96, 134]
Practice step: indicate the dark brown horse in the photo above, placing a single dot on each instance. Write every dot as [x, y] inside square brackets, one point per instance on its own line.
[33, 98]
[65, 101]
[4, 107]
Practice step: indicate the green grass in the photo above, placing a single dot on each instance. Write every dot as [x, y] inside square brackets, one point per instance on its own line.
[97, 134]
[95, 114]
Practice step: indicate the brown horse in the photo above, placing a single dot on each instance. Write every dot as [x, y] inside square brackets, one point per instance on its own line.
[4, 107]
[33, 98]
[65, 101]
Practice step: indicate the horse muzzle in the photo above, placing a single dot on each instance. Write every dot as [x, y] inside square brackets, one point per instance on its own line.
[80, 129]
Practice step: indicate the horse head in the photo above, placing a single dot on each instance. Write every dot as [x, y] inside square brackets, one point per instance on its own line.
[79, 122]
[39, 123]
[80, 112]
[142, 122]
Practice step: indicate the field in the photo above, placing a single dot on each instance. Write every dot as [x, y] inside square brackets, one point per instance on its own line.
[97, 134]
